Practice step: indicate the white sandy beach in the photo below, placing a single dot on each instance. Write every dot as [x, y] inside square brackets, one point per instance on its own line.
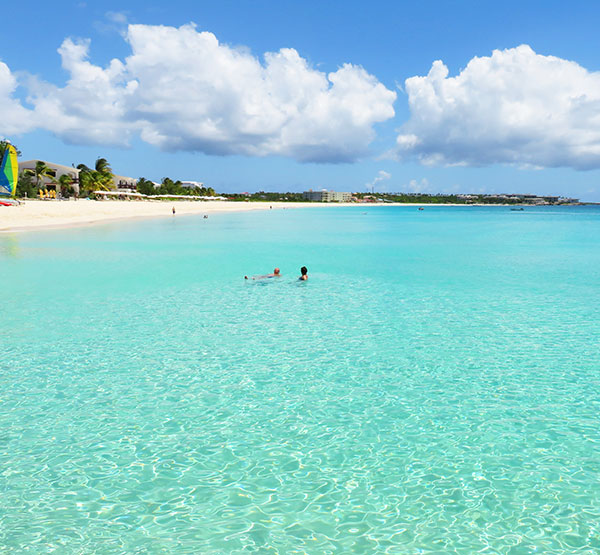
[34, 214]
[38, 214]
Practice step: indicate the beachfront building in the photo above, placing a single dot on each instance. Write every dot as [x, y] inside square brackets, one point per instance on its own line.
[192, 184]
[55, 171]
[327, 196]
[123, 183]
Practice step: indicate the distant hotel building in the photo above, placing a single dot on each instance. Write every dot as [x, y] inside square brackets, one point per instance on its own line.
[327, 196]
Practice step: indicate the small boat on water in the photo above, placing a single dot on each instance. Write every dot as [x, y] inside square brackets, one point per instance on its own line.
[517, 209]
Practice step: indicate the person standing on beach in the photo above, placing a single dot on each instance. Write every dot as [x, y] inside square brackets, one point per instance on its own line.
[173, 210]
[303, 274]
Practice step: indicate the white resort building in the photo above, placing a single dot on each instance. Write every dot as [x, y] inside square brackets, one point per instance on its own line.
[327, 196]
[119, 183]
[123, 183]
[54, 173]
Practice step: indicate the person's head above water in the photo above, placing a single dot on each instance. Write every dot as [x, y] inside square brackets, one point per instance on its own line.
[304, 273]
[276, 271]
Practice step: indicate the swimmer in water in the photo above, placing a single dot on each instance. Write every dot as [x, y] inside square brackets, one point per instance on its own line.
[303, 274]
[276, 273]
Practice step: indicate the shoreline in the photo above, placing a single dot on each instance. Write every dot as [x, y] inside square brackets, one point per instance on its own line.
[34, 215]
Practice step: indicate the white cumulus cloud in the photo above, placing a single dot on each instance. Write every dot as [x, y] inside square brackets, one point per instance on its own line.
[513, 107]
[382, 175]
[181, 89]
[418, 186]
[14, 118]
[92, 107]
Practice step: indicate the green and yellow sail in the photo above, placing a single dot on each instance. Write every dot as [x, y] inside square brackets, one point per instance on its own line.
[9, 171]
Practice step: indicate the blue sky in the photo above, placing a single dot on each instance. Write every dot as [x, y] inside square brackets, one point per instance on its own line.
[430, 96]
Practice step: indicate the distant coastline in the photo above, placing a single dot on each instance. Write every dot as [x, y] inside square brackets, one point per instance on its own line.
[33, 215]
[48, 181]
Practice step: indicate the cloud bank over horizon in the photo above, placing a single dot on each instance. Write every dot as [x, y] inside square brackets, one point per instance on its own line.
[182, 90]
[514, 107]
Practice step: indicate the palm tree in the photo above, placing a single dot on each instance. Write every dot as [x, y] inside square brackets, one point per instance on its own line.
[40, 171]
[103, 175]
[98, 179]
[103, 166]
[65, 183]
[145, 187]
[94, 181]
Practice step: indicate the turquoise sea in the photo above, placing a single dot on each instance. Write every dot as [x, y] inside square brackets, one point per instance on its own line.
[434, 387]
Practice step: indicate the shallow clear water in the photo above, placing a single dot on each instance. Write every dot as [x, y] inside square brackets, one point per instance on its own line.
[433, 388]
